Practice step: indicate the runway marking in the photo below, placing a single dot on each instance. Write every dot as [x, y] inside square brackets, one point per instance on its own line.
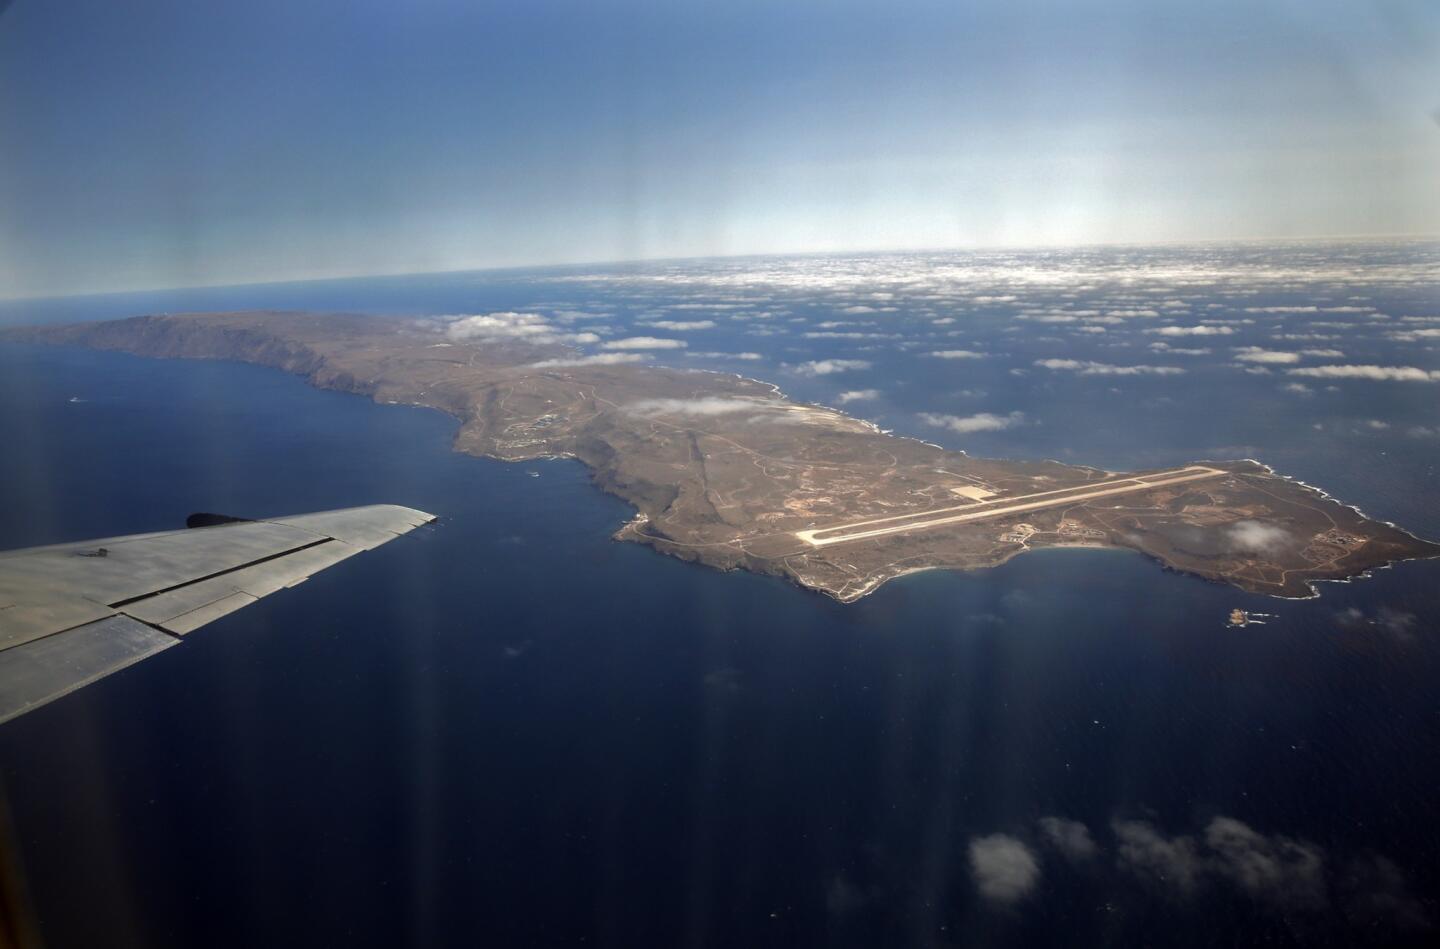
[923, 520]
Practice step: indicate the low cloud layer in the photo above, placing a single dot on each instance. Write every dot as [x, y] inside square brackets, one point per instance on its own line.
[1164, 347]
[1172, 863]
[682, 326]
[1257, 537]
[1282, 874]
[1070, 837]
[749, 357]
[1379, 373]
[1422, 335]
[1088, 368]
[857, 395]
[601, 359]
[1004, 868]
[1267, 356]
[700, 407]
[981, 422]
[1397, 623]
[1191, 330]
[1276, 870]
[506, 325]
[829, 367]
[644, 342]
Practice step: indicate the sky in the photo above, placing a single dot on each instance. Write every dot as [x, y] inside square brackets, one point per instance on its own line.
[168, 143]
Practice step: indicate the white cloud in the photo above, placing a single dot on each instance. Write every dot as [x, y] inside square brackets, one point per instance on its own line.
[746, 356]
[507, 325]
[857, 395]
[1164, 347]
[1268, 356]
[1191, 330]
[1297, 388]
[1070, 837]
[1088, 368]
[498, 325]
[1284, 873]
[956, 354]
[1278, 870]
[682, 326]
[704, 406]
[1416, 336]
[644, 342]
[603, 359]
[1256, 537]
[828, 367]
[1380, 373]
[1005, 870]
[983, 422]
[1171, 862]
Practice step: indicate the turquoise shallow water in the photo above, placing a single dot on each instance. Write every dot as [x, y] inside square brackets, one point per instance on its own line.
[509, 729]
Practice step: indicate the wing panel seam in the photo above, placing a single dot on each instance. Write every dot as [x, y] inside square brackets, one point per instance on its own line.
[219, 573]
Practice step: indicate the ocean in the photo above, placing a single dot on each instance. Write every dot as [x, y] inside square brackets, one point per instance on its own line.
[508, 729]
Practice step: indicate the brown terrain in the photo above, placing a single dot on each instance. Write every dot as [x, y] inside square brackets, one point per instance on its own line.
[727, 472]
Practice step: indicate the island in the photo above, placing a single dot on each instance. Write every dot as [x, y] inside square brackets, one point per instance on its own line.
[728, 472]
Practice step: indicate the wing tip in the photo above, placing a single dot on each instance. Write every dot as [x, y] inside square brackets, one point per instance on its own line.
[415, 516]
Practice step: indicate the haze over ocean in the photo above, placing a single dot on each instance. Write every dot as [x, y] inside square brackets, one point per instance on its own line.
[162, 143]
[509, 729]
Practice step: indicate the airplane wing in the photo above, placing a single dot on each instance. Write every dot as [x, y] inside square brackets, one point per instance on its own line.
[73, 613]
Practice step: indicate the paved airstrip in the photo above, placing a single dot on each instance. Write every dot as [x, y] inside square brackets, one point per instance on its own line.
[924, 520]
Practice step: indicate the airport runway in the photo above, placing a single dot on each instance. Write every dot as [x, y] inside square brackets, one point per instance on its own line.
[900, 523]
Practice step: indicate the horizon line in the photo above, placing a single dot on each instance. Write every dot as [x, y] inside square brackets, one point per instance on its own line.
[639, 261]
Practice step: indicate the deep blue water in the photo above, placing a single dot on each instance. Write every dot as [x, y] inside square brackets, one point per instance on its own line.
[508, 729]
